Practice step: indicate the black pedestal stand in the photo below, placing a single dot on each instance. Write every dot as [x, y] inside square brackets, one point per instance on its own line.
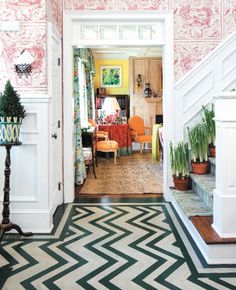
[6, 225]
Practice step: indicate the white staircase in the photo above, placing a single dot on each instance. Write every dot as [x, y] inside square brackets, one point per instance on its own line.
[214, 74]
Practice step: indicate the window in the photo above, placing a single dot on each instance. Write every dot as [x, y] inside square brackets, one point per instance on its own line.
[83, 95]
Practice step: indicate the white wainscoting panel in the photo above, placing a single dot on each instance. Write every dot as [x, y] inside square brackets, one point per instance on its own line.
[24, 173]
[214, 74]
[29, 189]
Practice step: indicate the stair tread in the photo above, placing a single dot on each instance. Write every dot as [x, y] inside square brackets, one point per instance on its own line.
[191, 203]
[206, 182]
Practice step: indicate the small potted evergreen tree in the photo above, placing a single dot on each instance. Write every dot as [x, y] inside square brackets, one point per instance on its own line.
[180, 165]
[11, 114]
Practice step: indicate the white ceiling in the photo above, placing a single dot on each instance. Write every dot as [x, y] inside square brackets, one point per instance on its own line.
[125, 52]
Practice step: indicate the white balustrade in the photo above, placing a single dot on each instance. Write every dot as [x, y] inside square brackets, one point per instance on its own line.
[224, 208]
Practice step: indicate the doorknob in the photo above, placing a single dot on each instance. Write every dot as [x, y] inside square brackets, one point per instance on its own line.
[54, 135]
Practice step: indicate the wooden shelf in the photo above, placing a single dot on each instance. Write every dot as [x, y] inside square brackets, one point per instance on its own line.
[153, 100]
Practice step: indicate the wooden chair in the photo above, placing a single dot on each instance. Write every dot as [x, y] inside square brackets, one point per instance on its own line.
[138, 132]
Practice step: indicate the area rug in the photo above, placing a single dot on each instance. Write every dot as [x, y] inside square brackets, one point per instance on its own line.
[118, 246]
[137, 174]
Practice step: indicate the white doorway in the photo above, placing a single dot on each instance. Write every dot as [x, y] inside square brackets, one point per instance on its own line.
[96, 29]
[55, 126]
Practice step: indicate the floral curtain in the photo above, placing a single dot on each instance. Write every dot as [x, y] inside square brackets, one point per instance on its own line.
[80, 170]
[86, 56]
[83, 56]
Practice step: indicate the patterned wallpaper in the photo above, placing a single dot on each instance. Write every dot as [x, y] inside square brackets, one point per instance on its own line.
[32, 36]
[199, 26]
[54, 13]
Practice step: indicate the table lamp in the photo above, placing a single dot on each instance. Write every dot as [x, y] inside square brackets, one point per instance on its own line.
[111, 106]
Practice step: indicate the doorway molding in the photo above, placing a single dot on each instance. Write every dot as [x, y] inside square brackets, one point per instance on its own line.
[73, 21]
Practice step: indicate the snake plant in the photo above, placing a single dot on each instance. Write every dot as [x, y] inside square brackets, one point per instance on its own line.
[198, 138]
[210, 123]
[180, 160]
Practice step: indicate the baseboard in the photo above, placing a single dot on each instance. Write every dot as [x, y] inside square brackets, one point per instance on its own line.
[35, 221]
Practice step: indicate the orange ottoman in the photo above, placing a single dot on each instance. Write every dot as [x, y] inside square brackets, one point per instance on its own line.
[108, 146]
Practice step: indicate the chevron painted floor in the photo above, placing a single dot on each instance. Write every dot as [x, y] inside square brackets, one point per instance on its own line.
[111, 246]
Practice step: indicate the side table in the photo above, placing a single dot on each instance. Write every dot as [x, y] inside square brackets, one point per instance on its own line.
[6, 224]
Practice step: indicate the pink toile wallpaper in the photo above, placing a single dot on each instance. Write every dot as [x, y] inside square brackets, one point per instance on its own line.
[54, 13]
[199, 26]
[32, 16]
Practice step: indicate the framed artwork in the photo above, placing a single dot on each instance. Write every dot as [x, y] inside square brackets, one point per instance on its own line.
[111, 76]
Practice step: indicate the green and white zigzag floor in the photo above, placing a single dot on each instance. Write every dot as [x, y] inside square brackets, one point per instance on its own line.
[111, 246]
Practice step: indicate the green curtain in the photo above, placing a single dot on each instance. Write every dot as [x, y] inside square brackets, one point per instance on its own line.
[80, 170]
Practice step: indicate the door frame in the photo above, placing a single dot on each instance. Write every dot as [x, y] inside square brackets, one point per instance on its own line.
[70, 41]
[54, 63]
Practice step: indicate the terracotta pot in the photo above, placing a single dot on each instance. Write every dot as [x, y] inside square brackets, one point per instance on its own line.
[200, 167]
[212, 151]
[182, 184]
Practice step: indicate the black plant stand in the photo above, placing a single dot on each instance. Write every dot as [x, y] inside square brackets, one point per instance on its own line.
[6, 225]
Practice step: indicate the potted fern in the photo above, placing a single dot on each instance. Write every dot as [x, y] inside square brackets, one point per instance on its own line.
[209, 115]
[180, 165]
[198, 139]
[11, 114]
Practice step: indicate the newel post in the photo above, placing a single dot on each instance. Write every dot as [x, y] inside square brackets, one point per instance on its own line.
[224, 208]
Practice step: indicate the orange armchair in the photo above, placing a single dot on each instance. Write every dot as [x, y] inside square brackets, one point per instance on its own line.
[138, 132]
[103, 143]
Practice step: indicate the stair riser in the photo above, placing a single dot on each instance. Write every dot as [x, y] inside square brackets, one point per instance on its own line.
[212, 168]
[206, 197]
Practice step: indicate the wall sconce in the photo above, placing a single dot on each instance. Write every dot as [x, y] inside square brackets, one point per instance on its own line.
[23, 63]
[139, 82]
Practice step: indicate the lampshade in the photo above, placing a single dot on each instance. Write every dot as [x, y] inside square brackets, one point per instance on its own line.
[110, 106]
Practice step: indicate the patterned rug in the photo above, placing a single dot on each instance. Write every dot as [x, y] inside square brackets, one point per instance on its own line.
[111, 246]
[136, 173]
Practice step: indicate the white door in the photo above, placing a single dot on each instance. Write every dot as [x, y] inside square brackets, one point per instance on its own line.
[55, 91]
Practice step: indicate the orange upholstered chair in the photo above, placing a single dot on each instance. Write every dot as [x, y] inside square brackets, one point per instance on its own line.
[108, 146]
[103, 143]
[140, 133]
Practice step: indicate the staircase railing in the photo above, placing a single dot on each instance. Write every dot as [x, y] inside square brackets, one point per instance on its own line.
[214, 74]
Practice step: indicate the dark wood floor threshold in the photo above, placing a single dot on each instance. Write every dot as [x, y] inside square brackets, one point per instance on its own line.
[209, 235]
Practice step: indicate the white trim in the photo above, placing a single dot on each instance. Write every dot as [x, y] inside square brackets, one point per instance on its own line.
[35, 98]
[54, 36]
[226, 95]
[30, 221]
[168, 81]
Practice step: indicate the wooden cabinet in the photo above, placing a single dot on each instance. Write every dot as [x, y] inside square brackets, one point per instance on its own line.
[150, 69]
[122, 99]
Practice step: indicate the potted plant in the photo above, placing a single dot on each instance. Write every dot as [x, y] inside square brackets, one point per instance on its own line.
[11, 114]
[209, 116]
[198, 139]
[180, 165]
